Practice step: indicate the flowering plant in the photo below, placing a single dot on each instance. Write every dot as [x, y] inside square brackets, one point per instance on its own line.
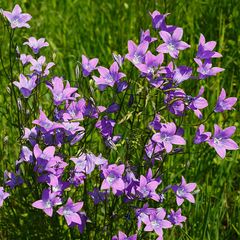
[122, 182]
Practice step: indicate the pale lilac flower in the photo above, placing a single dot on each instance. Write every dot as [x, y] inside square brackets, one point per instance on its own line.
[136, 54]
[172, 43]
[221, 140]
[113, 178]
[201, 136]
[123, 236]
[151, 63]
[176, 218]
[205, 49]
[46, 124]
[25, 58]
[72, 127]
[25, 85]
[157, 223]
[108, 77]
[145, 36]
[167, 136]
[3, 196]
[205, 69]
[146, 189]
[183, 191]
[143, 213]
[181, 73]
[61, 93]
[37, 66]
[35, 44]
[88, 65]
[48, 201]
[70, 212]
[75, 110]
[26, 155]
[31, 135]
[56, 184]
[16, 18]
[224, 103]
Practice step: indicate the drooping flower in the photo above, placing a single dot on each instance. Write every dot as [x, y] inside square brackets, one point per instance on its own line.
[123, 236]
[167, 136]
[37, 66]
[105, 125]
[183, 191]
[88, 65]
[113, 178]
[108, 77]
[25, 85]
[16, 18]
[205, 49]
[136, 54]
[176, 218]
[118, 59]
[201, 136]
[35, 44]
[181, 73]
[48, 201]
[145, 36]
[12, 179]
[3, 196]
[98, 196]
[196, 103]
[221, 140]
[25, 59]
[172, 43]
[205, 69]
[224, 103]
[71, 212]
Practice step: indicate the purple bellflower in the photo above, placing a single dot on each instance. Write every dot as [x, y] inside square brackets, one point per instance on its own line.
[88, 65]
[60, 93]
[201, 136]
[37, 66]
[145, 36]
[12, 179]
[25, 59]
[183, 191]
[118, 59]
[205, 69]
[35, 44]
[108, 77]
[224, 103]
[98, 196]
[48, 201]
[167, 136]
[113, 178]
[147, 189]
[3, 196]
[16, 18]
[156, 223]
[71, 212]
[45, 124]
[123, 236]
[176, 218]
[172, 43]
[136, 54]
[221, 140]
[205, 49]
[26, 86]
[196, 103]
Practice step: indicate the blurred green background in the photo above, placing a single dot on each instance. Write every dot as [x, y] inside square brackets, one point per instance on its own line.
[99, 27]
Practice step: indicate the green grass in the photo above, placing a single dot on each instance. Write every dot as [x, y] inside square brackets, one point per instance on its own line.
[99, 27]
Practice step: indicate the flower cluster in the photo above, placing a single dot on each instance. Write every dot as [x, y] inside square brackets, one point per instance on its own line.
[57, 146]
